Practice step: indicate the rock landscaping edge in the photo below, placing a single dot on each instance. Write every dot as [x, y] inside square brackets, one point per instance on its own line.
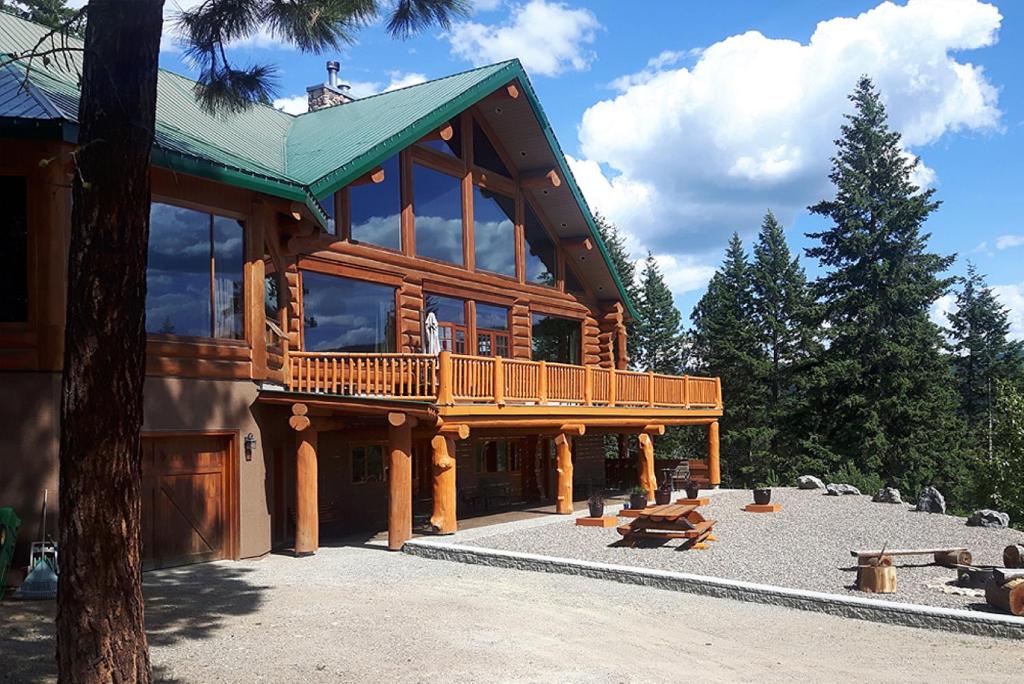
[873, 610]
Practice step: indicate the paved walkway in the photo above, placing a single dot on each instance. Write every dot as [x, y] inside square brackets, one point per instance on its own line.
[358, 614]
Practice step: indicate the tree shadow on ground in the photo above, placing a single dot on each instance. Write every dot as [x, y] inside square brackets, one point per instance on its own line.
[182, 604]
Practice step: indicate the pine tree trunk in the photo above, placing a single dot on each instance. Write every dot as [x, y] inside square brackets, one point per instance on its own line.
[100, 631]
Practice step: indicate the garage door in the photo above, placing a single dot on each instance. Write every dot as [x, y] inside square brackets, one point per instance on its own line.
[186, 507]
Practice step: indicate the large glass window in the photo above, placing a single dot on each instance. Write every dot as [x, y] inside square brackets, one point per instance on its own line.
[14, 252]
[451, 319]
[376, 209]
[328, 204]
[555, 339]
[194, 279]
[451, 147]
[541, 257]
[494, 234]
[437, 205]
[492, 337]
[484, 153]
[346, 315]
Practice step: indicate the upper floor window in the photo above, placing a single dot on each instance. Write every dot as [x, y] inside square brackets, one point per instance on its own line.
[485, 155]
[194, 278]
[451, 320]
[556, 339]
[494, 235]
[452, 146]
[346, 315]
[376, 209]
[437, 206]
[540, 255]
[492, 338]
[329, 204]
[14, 253]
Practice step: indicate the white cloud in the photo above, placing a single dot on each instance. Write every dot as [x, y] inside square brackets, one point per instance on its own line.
[548, 37]
[682, 156]
[1012, 297]
[683, 273]
[299, 104]
[1008, 241]
[941, 308]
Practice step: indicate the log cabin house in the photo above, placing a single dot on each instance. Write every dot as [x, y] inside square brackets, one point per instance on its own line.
[292, 263]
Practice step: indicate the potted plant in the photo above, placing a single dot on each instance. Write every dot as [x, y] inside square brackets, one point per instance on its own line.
[595, 502]
[638, 498]
[692, 489]
[762, 494]
[663, 494]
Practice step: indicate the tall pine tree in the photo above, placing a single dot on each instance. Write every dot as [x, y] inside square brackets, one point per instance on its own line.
[884, 386]
[659, 343]
[982, 353]
[726, 343]
[783, 310]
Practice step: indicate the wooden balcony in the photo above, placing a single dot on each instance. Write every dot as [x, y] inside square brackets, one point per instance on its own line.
[473, 385]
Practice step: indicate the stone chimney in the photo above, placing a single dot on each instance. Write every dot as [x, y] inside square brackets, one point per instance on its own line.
[330, 93]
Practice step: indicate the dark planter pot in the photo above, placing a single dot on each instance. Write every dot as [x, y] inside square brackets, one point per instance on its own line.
[692, 491]
[596, 508]
[637, 501]
[662, 496]
[762, 496]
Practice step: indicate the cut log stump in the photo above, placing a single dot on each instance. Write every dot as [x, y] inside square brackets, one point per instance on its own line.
[1013, 556]
[1008, 596]
[951, 559]
[877, 579]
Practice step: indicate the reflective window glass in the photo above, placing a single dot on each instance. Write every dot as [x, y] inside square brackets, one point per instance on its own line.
[555, 339]
[346, 315]
[540, 251]
[494, 236]
[376, 209]
[437, 205]
[484, 153]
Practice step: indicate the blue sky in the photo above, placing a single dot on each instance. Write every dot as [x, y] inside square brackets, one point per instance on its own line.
[686, 120]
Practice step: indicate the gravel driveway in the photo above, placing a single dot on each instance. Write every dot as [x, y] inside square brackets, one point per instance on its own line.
[805, 546]
[365, 615]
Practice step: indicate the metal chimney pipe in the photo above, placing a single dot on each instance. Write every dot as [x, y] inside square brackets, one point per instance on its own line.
[332, 73]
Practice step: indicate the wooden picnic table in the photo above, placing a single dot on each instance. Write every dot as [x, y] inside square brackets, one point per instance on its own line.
[671, 521]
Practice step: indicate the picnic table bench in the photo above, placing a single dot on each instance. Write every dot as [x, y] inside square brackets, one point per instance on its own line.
[671, 521]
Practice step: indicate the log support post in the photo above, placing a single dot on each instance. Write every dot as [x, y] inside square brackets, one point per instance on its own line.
[445, 396]
[714, 465]
[307, 502]
[400, 428]
[563, 447]
[444, 518]
[645, 465]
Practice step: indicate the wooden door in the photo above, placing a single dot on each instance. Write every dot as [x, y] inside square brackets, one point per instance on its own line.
[186, 507]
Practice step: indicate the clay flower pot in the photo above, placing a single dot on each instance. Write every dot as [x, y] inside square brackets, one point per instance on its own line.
[762, 496]
[662, 496]
[596, 507]
[692, 490]
[637, 501]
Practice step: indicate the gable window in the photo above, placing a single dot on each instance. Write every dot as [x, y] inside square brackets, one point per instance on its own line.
[328, 203]
[451, 320]
[437, 207]
[346, 315]
[451, 147]
[494, 234]
[541, 260]
[14, 254]
[492, 338]
[485, 155]
[368, 463]
[555, 339]
[376, 209]
[194, 283]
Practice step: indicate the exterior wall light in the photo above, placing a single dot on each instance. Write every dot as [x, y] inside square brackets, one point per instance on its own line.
[250, 444]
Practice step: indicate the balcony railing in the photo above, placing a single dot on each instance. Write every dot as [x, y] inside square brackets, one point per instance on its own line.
[450, 379]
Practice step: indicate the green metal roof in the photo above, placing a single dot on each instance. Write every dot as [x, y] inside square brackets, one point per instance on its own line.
[298, 158]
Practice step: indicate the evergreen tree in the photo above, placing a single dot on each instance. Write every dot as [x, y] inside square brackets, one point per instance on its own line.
[52, 13]
[1002, 471]
[782, 311]
[726, 344]
[659, 343]
[982, 354]
[884, 387]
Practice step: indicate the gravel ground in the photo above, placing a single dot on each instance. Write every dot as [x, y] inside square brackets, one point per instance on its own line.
[353, 614]
[804, 546]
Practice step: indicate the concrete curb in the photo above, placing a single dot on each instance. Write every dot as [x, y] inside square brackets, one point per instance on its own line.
[873, 610]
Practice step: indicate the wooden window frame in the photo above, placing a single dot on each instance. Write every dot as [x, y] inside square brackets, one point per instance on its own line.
[542, 310]
[429, 159]
[350, 273]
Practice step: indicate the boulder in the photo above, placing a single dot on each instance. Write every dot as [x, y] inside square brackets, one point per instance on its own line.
[888, 495]
[841, 489]
[986, 517]
[809, 482]
[930, 500]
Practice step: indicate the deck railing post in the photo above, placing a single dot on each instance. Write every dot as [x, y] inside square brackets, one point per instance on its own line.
[588, 385]
[445, 392]
[499, 381]
[718, 392]
[542, 383]
[612, 381]
[650, 388]
[686, 391]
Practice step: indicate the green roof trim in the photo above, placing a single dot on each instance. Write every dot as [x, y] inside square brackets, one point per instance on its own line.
[298, 158]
